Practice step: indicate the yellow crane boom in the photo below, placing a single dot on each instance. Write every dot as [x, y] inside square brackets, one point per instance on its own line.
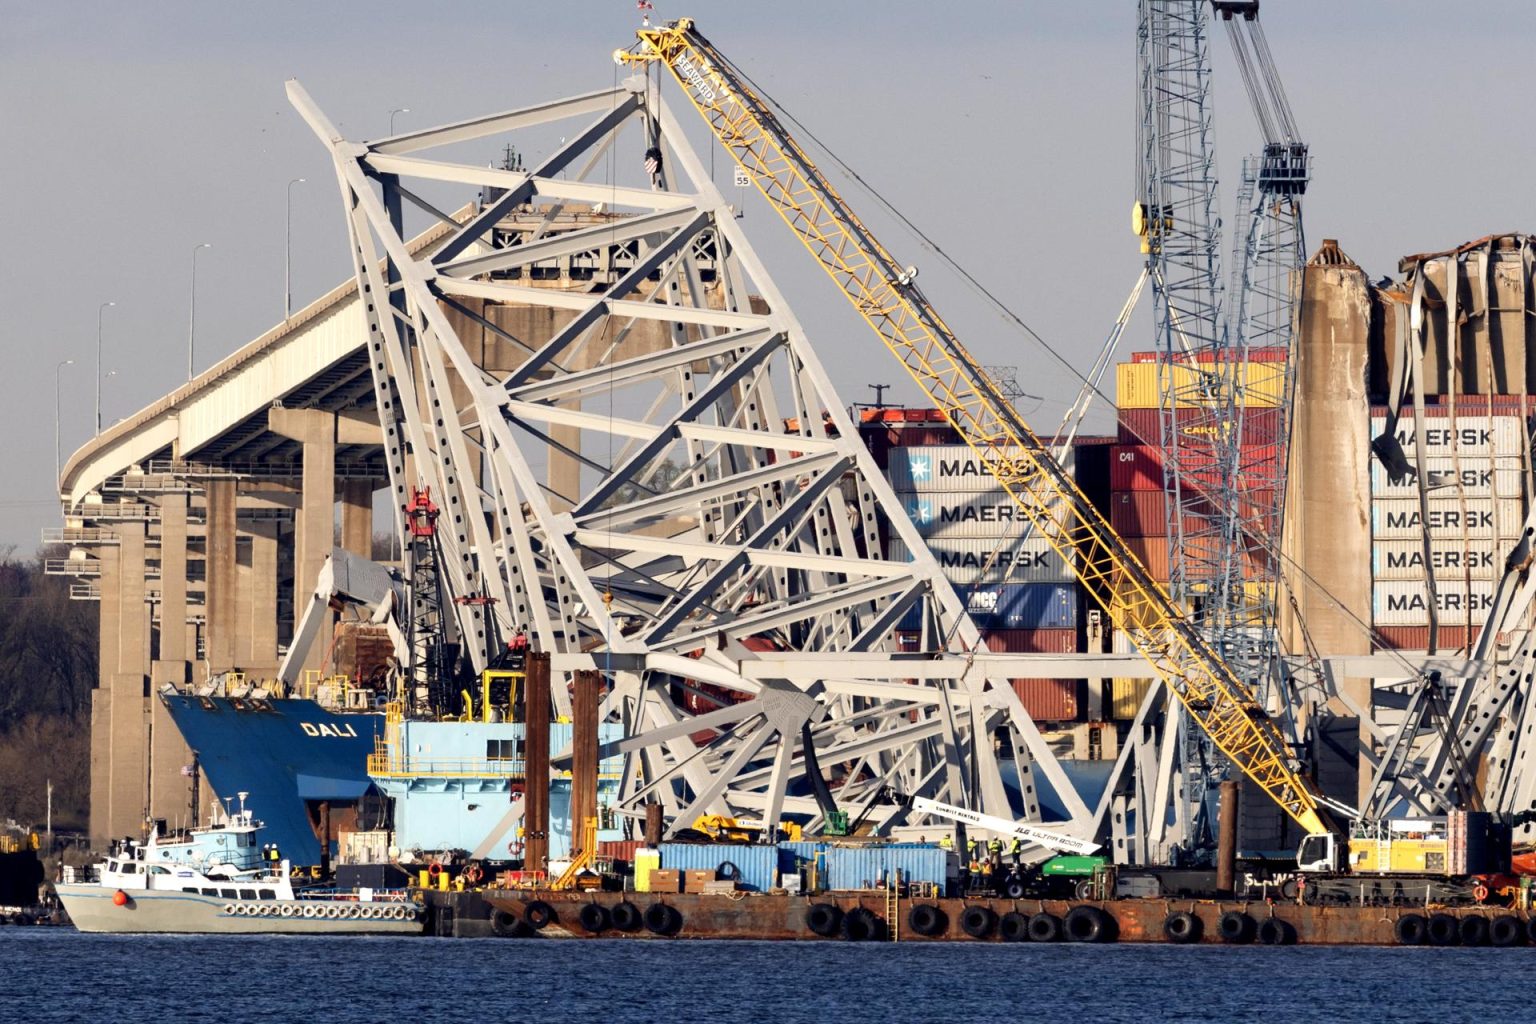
[890, 302]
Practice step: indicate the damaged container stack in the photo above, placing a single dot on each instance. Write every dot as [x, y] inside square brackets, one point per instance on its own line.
[1020, 592]
[1474, 487]
[1138, 500]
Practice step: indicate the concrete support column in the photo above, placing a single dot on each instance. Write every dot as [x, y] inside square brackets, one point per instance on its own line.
[1327, 522]
[261, 625]
[173, 579]
[223, 576]
[314, 524]
[129, 785]
[357, 517]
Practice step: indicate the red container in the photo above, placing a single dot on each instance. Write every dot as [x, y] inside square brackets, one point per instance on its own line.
[1145, 426]
[1048, 700]
[1139, 513]
[1451, 639]
[619, 849]
[1140, 467]
[1135, 468]
[1031, 641]
[1152, 552]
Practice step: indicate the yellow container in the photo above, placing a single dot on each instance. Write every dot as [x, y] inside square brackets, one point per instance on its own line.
[1126, 697]
[646, 861]
[1140, 385]
[424, 880]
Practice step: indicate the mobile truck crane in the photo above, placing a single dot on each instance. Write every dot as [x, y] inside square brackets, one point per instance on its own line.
[885, 293]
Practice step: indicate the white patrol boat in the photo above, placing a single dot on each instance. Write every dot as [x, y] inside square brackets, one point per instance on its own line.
[212, 880]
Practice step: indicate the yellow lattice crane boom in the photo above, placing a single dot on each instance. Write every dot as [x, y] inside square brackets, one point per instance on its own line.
[887, 298]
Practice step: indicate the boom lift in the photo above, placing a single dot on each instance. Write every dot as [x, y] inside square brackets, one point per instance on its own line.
[885, 294]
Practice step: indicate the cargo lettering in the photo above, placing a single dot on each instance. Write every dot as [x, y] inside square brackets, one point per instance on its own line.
[1447, 437]
[978, 514]
[1441, 519]
[1446, 601]
[1479, 479]
[1457, 561]
[1005, 560]
[337, 731]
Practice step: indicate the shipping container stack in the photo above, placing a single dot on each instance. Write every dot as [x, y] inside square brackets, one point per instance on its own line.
[1477, 483]
[1026, 601]
[1138, 504]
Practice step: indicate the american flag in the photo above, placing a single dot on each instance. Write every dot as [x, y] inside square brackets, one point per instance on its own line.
[653, 161]
[644, 5]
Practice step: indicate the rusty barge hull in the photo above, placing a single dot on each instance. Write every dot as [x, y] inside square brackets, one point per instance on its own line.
[785, 917]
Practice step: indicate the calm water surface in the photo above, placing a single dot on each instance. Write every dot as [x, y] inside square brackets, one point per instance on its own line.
[55, 974]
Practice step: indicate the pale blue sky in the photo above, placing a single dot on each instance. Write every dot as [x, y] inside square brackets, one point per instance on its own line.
[133, 132]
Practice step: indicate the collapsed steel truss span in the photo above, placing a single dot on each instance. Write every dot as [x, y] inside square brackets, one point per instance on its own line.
[719, 514]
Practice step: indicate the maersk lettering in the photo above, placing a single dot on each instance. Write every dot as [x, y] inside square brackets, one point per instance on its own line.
[1446, 437]
[999, 513]
[1445, 602]
[1005, 559]
[1442, 519]
[1441, 561]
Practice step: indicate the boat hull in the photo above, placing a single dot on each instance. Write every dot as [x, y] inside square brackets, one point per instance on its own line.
[91, 909]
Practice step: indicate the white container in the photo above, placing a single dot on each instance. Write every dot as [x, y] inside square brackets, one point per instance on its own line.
[946, 468]
[1468, 434]
[1029, 561]
[1456, 558]
[1476, 477]
[1406, 602]
[1478, 518]
[951, 516]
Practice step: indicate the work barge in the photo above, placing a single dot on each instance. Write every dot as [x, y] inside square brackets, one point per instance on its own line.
[595, 418]
[883, 916]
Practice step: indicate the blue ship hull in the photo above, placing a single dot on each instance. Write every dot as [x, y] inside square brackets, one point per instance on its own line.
[283, 754]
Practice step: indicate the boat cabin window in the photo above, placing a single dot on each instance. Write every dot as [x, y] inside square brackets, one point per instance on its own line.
[156, 869]
[228, 894]
[209, 892]
[267, 894]
[247, 894]
[248, 839]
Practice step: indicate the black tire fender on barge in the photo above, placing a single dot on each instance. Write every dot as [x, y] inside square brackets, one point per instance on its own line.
[1505, 931]
[538, 914]
[1442, 930]
[927, 920]
[626, 916]
[1236, 928]
[1410, 930]
[824, 919]
[1182, 927]
[1088, 924]
[1473, 930]
[504, 924]
[1044, 927]
[594, 918]
[861, 925]
[1275, 932]
[1013, 927]
[978, 921]
[663, 919]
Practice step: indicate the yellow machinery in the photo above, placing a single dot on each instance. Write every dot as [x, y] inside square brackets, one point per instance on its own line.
[885, 294]
[581, 859]
[724, 829]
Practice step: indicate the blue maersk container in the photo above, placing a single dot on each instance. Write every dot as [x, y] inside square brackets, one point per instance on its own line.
[1012, 606]
[864, 867]
[757, 867]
